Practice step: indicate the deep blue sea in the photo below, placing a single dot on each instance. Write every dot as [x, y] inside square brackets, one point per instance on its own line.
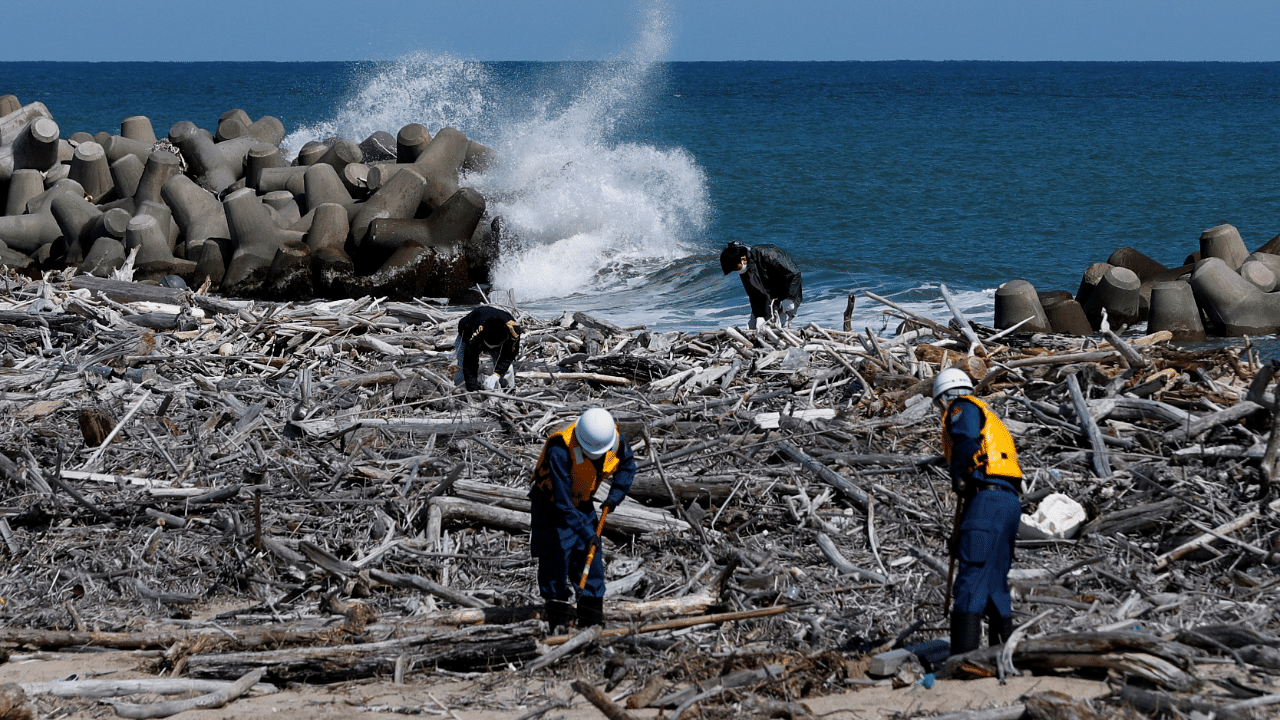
[621, 181]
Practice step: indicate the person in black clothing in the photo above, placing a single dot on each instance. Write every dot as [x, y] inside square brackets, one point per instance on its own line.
[493, 330]
[771, 279]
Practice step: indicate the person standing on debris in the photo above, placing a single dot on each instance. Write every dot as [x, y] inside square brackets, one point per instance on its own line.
[987, 479]
[575, 461]
[493, 330]
[771, 279]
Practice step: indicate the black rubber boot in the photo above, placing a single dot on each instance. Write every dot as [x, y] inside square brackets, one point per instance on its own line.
[966, 632]
[558, 614]
[998, 629]
[590, 611]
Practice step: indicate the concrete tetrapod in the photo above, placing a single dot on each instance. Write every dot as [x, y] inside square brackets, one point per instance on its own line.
[27, 233]
[1119, 292]
[212, 262]
[105, 257]
[283, 178]
[117, 147]
[446, 231]
[321, 184]
[198, 214]
[327, 239]
[205, 161]
[23, 187]
[1271, 261]
[126, 174]
[1016, 301]
[379, 147]
[411, 141]
[89, 167]
[154, 259]
[439, 165]
[1173, 308]
[1067, 317]
[1232, 305]
[478, 158]
[341, 154]
[482, 250]
[1141, 265]
[261, 157]
[13, 258]
[77, 220]
[138, 128]
[1259, 275]
[356, 179]
[256, 238]
[289, 277]
[1224, 242]
[36, 147]
[399, 198]
[229, 129]
[266, 129]
[311, 153]
[284, 208]
[163, 215]
[113, 223]
[1092, 276]
[10, 125]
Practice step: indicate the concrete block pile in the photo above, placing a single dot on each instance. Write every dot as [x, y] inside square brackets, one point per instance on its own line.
[1220, 290]
[384, 216]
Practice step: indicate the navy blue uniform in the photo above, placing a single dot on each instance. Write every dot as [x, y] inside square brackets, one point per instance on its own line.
[989, 527]
[562, 531]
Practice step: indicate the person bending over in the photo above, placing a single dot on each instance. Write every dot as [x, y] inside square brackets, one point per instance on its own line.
[492, 330]
[771, 279]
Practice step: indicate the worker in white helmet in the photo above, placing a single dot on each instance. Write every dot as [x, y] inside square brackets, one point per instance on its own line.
[987, 480]
[575, 461]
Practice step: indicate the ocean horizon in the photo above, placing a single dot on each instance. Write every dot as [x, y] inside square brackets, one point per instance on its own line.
[621, 181]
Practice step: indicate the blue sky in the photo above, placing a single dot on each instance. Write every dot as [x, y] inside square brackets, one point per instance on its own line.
[1228, 30]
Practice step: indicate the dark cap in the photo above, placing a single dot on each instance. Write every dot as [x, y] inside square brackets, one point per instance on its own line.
[731, 256]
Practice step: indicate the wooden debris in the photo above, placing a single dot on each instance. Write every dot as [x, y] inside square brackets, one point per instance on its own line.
[313, 466]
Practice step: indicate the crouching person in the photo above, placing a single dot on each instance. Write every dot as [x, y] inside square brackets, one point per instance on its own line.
[575, 461]
[487, 330]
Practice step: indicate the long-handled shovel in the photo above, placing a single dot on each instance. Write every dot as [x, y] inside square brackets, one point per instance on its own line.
[951, 573]
[591, 553]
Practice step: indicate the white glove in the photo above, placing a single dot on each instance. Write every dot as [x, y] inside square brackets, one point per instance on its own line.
[787, 314]
[757, 323]
[491, 382]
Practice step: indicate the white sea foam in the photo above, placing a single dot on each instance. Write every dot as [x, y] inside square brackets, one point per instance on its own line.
[436, 91]
[582, 211]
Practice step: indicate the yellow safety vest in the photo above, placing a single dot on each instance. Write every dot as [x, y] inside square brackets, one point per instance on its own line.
[582, 469]
[997, 455]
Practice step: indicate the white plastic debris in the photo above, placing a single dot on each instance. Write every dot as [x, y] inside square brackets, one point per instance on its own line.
[1057, 517]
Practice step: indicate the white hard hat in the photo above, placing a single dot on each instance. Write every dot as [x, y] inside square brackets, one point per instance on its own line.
[951, 379]
[596, 432]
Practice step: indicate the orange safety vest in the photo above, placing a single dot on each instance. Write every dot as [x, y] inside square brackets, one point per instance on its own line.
[997, 455]
[582, 469]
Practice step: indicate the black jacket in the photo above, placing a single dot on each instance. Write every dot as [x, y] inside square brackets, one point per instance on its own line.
[771, 275]
[486, 328]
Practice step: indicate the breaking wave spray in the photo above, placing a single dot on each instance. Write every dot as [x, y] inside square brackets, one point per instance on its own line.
[583, 211]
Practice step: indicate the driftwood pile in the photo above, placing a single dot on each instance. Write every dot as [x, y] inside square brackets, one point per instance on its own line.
[298, 493]
[227, 207]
